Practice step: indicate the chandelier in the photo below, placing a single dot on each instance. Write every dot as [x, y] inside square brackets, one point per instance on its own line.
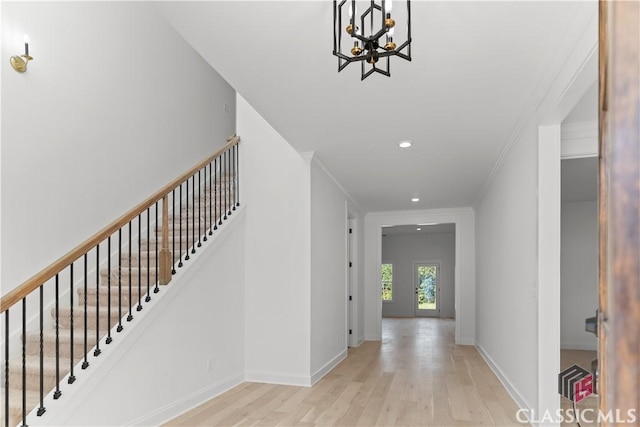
[375, 50]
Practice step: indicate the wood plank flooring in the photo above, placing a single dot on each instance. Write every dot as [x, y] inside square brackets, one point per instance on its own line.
[416, 376]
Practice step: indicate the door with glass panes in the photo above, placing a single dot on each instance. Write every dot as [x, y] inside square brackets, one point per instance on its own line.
[427, 289]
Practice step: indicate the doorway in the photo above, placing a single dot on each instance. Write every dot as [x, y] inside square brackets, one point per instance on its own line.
[417, 274]
[427, 289]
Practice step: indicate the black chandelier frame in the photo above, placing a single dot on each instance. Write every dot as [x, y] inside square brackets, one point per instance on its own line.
[372, 49]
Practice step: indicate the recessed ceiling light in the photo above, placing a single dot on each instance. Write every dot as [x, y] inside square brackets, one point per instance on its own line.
[415, 199]
[404, 144]
[418, 228]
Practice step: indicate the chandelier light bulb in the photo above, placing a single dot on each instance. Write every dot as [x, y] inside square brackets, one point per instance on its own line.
[388, 5]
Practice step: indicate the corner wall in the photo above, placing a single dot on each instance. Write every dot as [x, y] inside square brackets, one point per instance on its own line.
[275, 185]
[328, 273]
[507, 270]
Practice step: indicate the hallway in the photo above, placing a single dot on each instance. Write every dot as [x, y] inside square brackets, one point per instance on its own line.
[416, 376]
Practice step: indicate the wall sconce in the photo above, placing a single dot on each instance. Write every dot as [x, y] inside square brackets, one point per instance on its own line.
[19, 63]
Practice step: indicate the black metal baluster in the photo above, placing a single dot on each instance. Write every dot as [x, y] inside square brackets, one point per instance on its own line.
[207, 197]
[156, 289]
[229, 180]
[24, 362]
[6, 368]
[237, 175]
[130, 315]
[72, 377]
[173, 238]
[200, 207]
[148, 297]
[41, 410]
[225, 176]
[139, 307]
[218, 201]
[186, 258]
[109, 338]
[85, 364]
[97, 351]
[57, 393]
[120, 327]
[180, 228]
[193, 216]
[211, 218]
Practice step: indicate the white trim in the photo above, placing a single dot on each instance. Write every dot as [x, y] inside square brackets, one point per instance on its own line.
[579, 346]
[188, 403]
[548, 283]
[511, 389]
[317, 376]
[281, 378]
[579, 140]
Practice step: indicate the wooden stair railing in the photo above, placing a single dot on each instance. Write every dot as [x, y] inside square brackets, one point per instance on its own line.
[123, 263]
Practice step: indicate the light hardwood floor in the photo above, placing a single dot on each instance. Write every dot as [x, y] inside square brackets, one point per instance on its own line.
[416, 376]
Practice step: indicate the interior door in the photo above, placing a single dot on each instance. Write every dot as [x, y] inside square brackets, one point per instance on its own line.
[427, 289]
[619, 265]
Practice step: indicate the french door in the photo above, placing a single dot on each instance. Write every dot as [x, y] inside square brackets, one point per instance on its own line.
[427, 289]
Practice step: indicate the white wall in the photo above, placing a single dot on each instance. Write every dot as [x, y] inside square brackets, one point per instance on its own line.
[506, 266]
[113, 106]
[464, 274]
[579, 273]
[185, 347]
[275, 185]
[328, 273]
[403, 250]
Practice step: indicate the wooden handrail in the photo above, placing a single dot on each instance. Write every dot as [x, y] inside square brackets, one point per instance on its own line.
[61, 263]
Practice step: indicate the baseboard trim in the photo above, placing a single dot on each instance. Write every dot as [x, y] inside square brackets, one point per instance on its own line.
[317, 376]
[281, 378]
[578, 346]
[511, 389]
[189, 402]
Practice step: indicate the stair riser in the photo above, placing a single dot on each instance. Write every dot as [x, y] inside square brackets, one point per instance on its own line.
[49, 346]
[33, 379]
[125, 280]
[103, 299]
[78, 318]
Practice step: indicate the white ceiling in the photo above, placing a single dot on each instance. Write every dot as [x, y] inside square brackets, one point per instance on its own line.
[476, 68]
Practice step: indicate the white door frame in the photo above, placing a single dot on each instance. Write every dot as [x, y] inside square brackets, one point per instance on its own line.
[571, 84]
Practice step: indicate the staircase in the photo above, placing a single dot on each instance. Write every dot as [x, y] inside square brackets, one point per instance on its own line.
[112, 296]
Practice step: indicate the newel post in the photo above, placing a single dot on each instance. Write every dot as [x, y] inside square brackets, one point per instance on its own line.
[165, 253]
